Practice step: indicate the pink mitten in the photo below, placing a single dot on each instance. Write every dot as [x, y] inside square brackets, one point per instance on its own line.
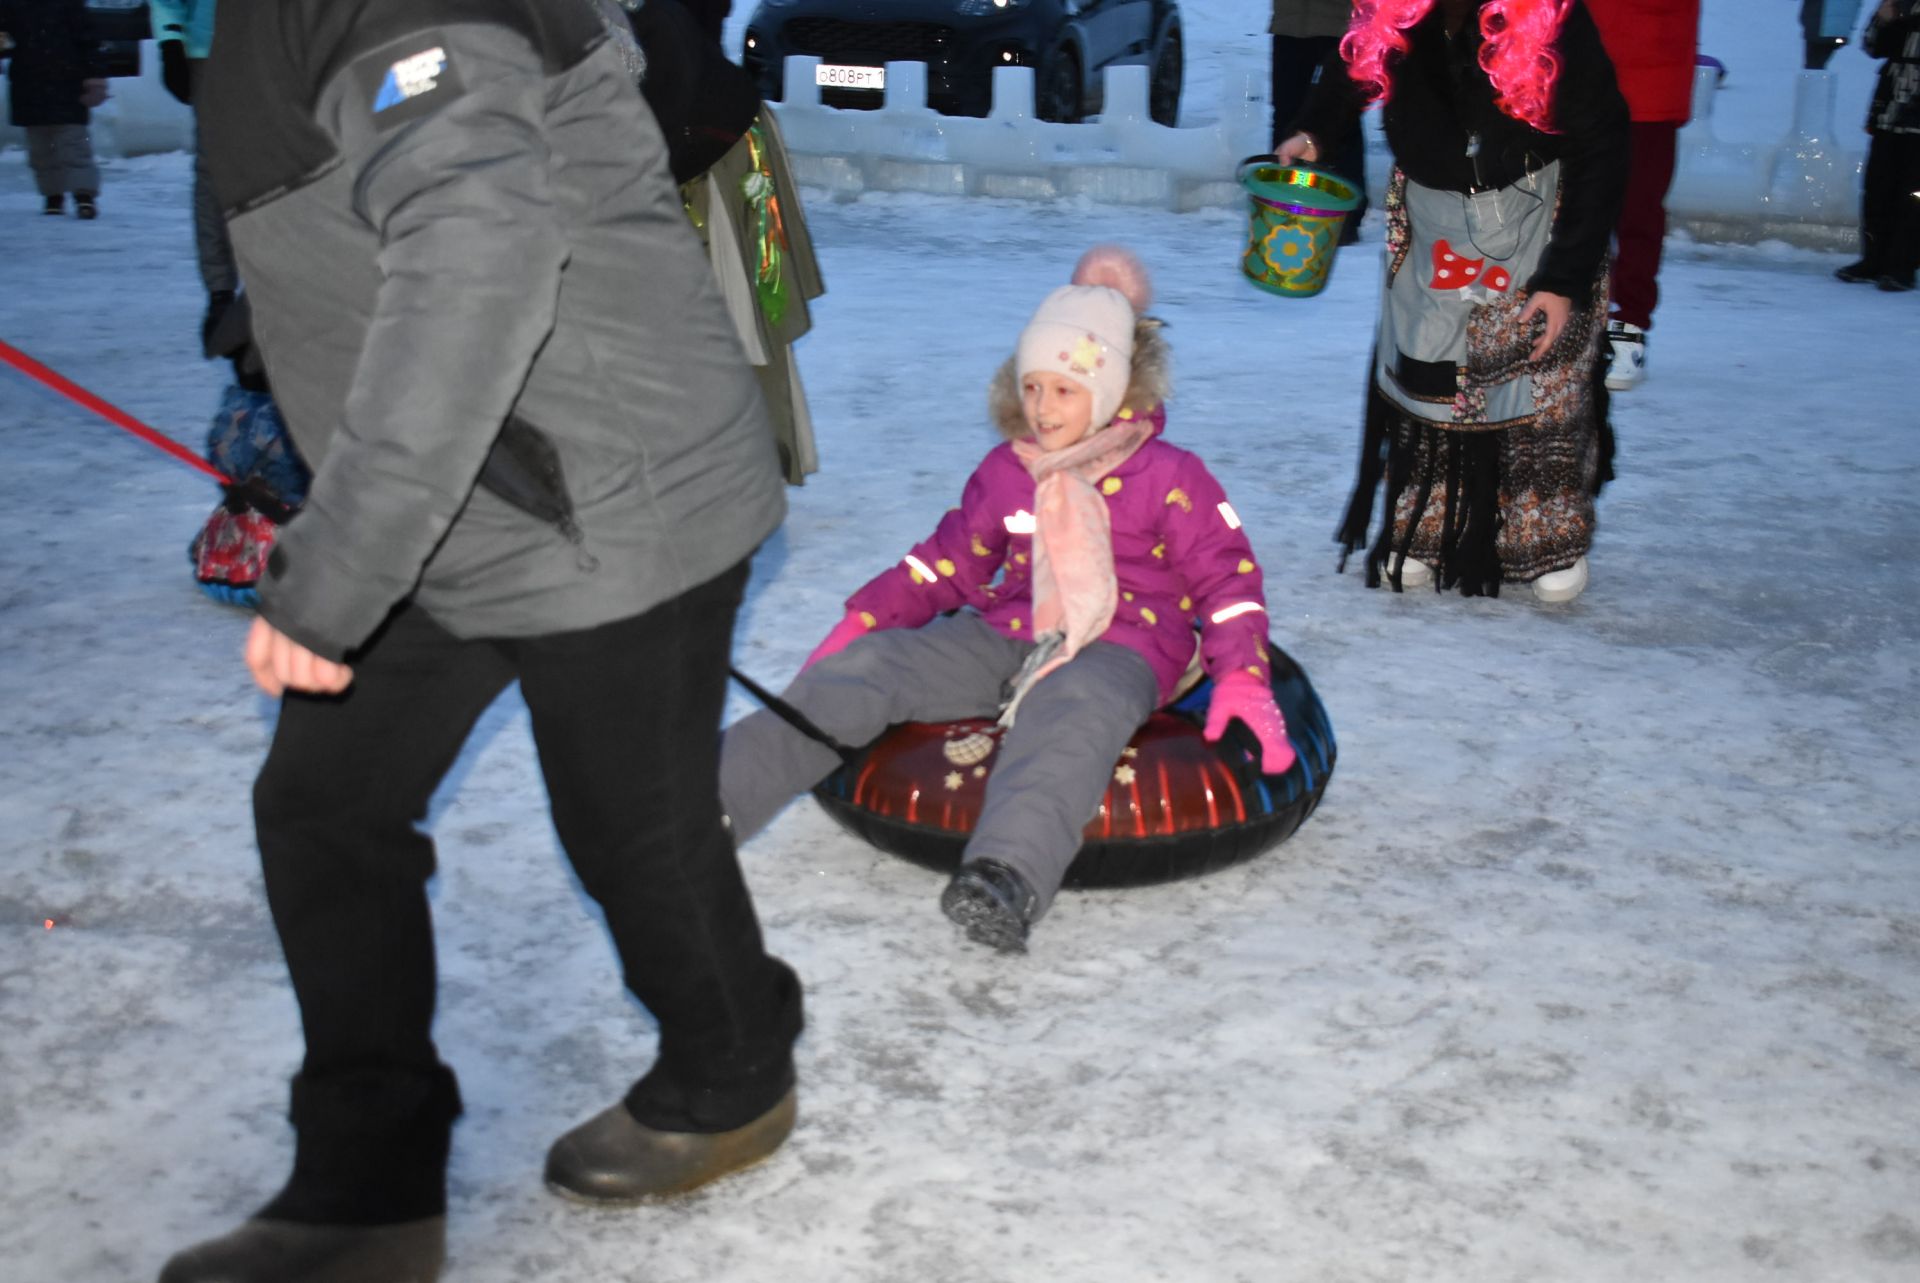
[1246, 697]
[836, 641]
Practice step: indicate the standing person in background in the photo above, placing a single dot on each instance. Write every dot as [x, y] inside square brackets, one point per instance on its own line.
[1304, 33]
[538, 456]
[725, 151]
[1484, 412]
[183, 32]
[1654, 45]
[1826, 24]
[1890, 197]
[54, 80]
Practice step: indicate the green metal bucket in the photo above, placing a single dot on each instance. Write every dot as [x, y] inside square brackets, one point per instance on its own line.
[1294, 227]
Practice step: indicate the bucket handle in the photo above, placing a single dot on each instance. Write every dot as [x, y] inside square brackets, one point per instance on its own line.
[1254, 162]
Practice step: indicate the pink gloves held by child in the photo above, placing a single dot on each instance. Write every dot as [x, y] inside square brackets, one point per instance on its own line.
[836, 641]
[1246, 697]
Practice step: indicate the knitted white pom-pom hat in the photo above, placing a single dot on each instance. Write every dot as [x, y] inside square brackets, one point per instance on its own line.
[1085, 330]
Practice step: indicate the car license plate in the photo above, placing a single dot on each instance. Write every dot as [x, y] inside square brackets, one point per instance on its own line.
[839, 77]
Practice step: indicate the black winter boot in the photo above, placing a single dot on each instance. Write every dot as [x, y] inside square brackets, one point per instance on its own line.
[264, 1251]
[367, 1199]
[83, 206]
[371, 1147]
[1860, 273]
[55, 205]
[993, 902]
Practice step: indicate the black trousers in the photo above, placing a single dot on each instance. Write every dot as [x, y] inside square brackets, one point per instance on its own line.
[626, 722]
[1295, 61]
[1890, 207]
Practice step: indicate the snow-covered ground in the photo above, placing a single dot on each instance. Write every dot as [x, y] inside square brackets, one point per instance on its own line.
[1598, 963]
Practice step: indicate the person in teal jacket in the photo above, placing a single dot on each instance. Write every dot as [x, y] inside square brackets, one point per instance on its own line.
[1827, 24]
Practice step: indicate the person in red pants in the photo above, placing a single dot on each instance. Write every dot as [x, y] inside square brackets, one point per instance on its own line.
[1653, 44]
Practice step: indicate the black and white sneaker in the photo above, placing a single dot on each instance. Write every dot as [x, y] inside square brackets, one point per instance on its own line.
[993, 903]
[1627, 356]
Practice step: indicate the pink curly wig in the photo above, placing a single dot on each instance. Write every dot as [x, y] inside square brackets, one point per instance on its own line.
[1517, 51]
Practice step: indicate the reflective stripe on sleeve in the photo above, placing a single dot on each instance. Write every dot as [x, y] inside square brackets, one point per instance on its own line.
[1236, 610]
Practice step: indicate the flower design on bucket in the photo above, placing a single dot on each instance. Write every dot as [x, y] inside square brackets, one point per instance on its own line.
[1288, 248]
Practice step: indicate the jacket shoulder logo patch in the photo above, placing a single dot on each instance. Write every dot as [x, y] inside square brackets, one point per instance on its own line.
[409, 78]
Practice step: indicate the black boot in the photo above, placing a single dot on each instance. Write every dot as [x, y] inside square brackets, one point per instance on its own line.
[56, 205]
[613, 1159]
[266, 1251]
[1896, 284]
[367, 1200]
[993, 902]
[1860, 273]
[83, 206]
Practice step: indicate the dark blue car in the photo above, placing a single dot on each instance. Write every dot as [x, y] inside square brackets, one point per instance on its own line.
[1068, 43]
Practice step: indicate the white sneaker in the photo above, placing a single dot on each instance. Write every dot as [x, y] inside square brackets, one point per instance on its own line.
[1413, 574]
[1628, 343]
[1562, 585]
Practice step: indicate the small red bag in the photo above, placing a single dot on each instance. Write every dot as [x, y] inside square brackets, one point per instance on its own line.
[233, 548]
[230, 552]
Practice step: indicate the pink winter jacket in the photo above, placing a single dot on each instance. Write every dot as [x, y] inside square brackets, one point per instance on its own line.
[1178, 552]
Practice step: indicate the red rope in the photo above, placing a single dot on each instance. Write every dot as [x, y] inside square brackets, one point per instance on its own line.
[111, 413]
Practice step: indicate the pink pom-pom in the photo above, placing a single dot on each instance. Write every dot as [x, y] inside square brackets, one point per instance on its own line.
[1117, 268]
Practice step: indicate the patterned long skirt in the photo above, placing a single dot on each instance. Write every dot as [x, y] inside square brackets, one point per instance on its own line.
[1483, 498]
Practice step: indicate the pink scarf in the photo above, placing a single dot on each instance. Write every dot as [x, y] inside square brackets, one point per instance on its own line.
[1075, 591]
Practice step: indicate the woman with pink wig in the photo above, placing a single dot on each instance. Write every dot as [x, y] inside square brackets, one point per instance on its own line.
[1485, 412]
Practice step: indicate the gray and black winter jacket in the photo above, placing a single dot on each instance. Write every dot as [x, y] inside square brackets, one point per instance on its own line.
[465, 257]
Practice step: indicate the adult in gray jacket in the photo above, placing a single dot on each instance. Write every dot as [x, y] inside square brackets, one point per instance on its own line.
[539, 455]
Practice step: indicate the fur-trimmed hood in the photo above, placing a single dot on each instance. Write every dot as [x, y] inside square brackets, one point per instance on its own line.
[1149, 384]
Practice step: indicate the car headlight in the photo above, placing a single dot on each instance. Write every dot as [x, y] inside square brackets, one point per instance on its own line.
[984, 8]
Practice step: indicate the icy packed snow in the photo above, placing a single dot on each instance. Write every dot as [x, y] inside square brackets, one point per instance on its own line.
[1598, 963]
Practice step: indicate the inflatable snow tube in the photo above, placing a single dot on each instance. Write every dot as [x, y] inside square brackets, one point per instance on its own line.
[1176, 807]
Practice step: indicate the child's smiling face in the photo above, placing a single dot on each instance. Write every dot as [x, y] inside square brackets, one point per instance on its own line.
[1059, 410]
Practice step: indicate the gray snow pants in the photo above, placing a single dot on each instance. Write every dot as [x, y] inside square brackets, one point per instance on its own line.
[61, 157]
[1053, 765]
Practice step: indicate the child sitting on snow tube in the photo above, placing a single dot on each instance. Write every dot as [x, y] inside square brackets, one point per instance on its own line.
[1083, 551]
